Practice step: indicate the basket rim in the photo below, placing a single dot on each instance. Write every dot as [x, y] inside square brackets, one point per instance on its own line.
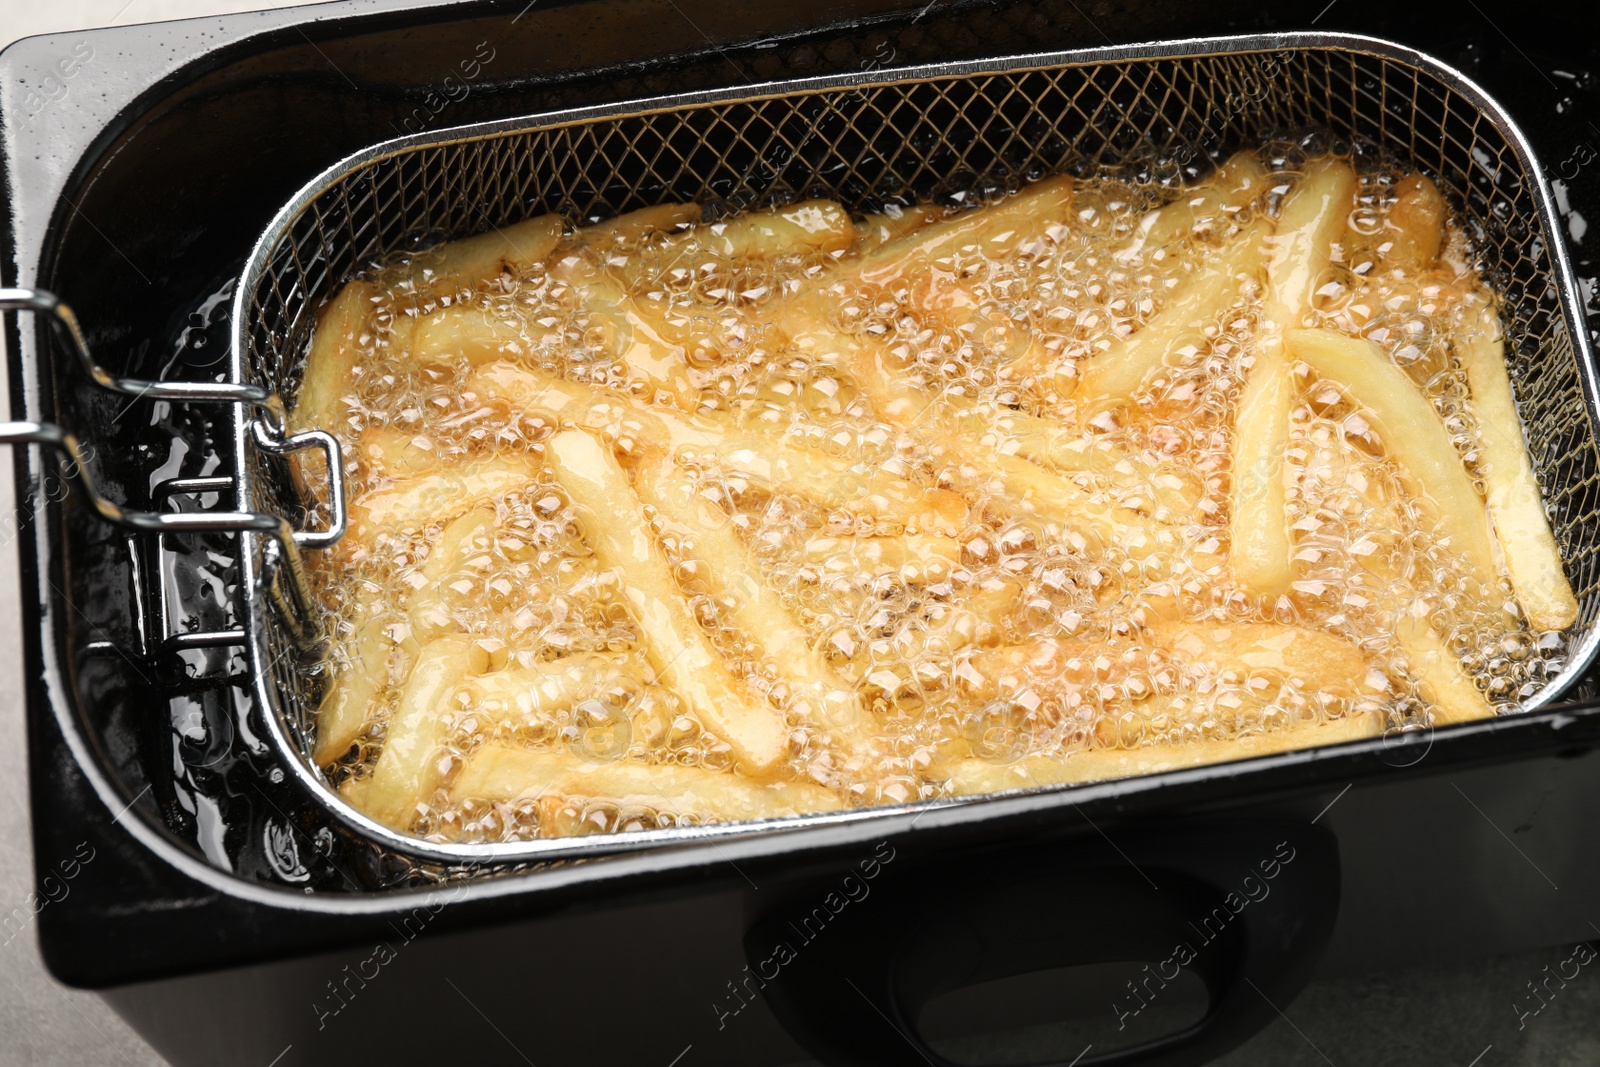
[282, 223]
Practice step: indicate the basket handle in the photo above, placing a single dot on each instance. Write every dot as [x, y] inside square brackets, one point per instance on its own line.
[854, 994]
[266, 421]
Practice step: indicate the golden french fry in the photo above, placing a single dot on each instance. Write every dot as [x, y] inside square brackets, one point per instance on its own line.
[1453, 696]
[997, 229]
[1313, 217]
[504, 249]
[678, 649]
[1235, 185]
[1412, 433]
[1529, 548]
[895, 222]
[1180, 326]
[439, 496]
[336, 344]
[407, 771]
[1416, 223]
[501, 772]
[1099, 764]
[627, 230]
[757, 610]
[807, 226]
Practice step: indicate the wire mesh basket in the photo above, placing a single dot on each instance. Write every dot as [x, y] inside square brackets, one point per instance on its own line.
[913, 134]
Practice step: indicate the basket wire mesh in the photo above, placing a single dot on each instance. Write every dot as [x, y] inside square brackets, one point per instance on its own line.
[910, 135]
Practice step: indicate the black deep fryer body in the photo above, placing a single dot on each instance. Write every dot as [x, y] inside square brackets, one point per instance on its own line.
[1469, 842]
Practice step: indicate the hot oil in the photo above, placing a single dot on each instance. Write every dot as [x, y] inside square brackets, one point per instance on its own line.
[1010, 634]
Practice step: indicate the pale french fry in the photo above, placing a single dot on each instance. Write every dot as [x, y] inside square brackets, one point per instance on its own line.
[757, 610]
[1444, 685]
[407, 771]
[1026, 485]
[1202, 208]
[464, 539]
[389, 452]
[636, 337]
[439, 496]
[1320, 661]
[1412, 433]
[997, 229]
[1529, 548]
[358, 681]
[808, 226]
[678, 649]
[1416, 223]
[916, 557]
[1099, 764]
[471, 334]
[627, 230]
[1180, 326]
[829, 480]
[895, 222]
[529, 692]
[502, 773]
[505, 249]
[1314, 216]
[342, 327]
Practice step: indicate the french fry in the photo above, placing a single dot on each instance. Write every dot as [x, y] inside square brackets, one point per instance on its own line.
[636, 337]
[359, 678]
[678, 649]
[633, 227]
[1412, 433]
[464, 539]
[808, 226]
[1026, 485]
[504, 249]
[407, 771]
[390, 452]
[1180, 326]
[529, 692]
[1320, 661]
[1526, 542]
[439, 496]
[996, 229]
[342, 328]
[1100, 764]
[1416, 223]
[472, 335]
[894, 222]
[1444, 685]
[1313, 217]
[1240, 181]
[915, 557]
[829, 480]
[499, 772]
[757, 610]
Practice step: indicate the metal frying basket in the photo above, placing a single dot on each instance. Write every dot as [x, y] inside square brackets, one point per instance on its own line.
[915, 132]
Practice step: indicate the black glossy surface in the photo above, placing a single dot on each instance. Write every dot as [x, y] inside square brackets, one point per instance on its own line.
[166, 207]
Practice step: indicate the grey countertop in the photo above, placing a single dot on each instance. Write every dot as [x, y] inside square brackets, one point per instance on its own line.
[1421, 1016]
